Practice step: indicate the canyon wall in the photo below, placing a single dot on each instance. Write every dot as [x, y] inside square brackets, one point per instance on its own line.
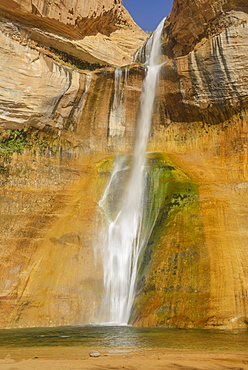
[96, 32]
[58, 103]
[197, 271]
[55, 120]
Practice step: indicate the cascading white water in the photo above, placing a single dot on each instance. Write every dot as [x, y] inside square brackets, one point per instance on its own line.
[116, 127]
[121, 249]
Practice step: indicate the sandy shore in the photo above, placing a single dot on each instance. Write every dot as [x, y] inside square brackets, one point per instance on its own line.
[148, 359]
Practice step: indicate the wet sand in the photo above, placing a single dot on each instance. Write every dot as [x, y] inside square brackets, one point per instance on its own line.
[59, 358]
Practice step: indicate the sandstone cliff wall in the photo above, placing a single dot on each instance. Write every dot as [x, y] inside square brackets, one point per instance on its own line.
[55, 106]
[100, 32]
[194, 272]
[39, 90]
[190, 22]
[201, 121]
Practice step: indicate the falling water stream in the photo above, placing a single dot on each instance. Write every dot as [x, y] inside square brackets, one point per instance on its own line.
[116, 127]
[124, 241]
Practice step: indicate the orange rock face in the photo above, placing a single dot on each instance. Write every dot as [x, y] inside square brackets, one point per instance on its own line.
[201, 121]
[194, 271]
[49, 232]
[197, 275]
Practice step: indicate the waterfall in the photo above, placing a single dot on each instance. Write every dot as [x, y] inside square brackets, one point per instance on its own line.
[124, 241]
[115, 126]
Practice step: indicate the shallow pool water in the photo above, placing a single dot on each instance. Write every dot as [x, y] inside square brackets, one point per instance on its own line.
[120, 339]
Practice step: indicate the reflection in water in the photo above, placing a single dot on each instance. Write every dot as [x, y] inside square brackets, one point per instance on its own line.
[124, 339]
[118, 341]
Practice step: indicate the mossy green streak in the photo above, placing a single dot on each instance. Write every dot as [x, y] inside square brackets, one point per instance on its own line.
[173, 267]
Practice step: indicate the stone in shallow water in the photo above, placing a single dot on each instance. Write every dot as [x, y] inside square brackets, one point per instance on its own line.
[94, 354]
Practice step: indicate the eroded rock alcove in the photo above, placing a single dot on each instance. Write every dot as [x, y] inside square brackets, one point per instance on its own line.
[57, 90]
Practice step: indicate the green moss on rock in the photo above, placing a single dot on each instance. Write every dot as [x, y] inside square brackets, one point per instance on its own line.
[173, 267]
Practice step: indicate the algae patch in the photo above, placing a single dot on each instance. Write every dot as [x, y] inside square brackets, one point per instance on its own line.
[173, 266]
